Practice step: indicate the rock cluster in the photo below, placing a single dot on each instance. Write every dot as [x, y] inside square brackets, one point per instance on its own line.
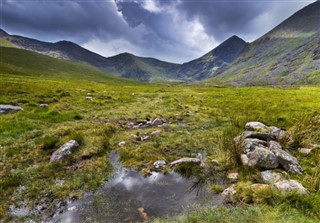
[146, 123]
[260, 148]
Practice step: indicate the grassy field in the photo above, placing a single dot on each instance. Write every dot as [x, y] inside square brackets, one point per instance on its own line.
[199, 119]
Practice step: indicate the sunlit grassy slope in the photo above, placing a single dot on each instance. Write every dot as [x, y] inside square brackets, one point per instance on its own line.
[199, 119]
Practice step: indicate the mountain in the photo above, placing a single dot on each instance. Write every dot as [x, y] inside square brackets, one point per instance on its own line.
[206, 66]
[123, 65]
[22, 62]
[288, 54]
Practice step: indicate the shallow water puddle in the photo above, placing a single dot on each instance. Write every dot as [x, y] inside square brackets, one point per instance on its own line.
[121, 198]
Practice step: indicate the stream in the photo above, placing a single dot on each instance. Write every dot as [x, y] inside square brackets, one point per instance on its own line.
[119, 199]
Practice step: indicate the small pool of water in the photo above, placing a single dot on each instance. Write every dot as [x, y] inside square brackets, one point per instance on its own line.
[119, 199]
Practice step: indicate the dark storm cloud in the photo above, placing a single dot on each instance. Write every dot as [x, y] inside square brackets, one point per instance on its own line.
[78, 20]
[176, 30]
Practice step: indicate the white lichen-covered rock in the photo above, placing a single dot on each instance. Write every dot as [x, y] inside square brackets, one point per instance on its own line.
[286, 160]
[65, 150]
[256, 126]
[270, 177]
[228, 194]
[289, 186]
[4, 109]
[159, 164]
[262, 158]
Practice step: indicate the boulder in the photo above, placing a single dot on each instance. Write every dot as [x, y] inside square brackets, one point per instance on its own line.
[262, 158]
[228, 194]
[256, 126]
[249, 144]
[286, 160]
[185, 160]
[4, 109]
[270, 177]
[65, 150]
[159, 164]
[290, 185]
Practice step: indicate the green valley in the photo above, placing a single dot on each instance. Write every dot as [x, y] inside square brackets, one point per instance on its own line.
[97, 110]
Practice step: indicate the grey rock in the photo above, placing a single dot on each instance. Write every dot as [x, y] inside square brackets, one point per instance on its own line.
[278, 133]
[19, 212]
[263, 158]
[228, 194]
[286, 160]
[4, 109]
[89, 98]
[270, 177]
[256, 126]
[65, 150]
[159, 164]
[43, 105]
[244, 159]
[265, 136]
[156, 132]
[157, 122]
[185, 160]
[121, 144]
[249, 144]
[290, 185]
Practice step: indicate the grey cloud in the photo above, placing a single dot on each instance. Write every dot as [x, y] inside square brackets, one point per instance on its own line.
[76, 20]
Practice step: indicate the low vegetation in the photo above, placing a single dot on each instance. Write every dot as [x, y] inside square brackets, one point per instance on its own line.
[96, 110]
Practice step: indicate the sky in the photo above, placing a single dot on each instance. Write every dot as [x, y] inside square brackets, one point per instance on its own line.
[171, 30]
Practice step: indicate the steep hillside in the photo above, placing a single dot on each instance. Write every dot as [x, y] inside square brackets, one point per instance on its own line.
[288, 54]
[23, 62]
[207, 65]
[123, 65]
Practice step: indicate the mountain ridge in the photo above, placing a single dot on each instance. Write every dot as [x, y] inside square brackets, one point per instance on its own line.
[287, 54]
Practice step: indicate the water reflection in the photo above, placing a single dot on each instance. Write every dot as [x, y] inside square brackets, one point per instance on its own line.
[119, 199]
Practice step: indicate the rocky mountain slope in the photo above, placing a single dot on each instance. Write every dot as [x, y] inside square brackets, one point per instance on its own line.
[207, 65]
[288, 54]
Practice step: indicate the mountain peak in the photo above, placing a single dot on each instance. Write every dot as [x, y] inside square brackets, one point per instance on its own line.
[229, 49]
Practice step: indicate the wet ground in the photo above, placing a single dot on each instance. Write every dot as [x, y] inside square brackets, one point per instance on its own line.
[120, 198]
